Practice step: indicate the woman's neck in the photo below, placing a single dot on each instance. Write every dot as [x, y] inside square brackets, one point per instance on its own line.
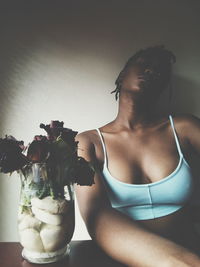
[136, 112]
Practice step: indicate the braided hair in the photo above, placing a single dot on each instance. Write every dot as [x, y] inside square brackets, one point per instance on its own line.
[158, 64]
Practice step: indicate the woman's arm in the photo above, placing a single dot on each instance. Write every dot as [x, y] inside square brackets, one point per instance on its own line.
[117, 234]
[190, 130]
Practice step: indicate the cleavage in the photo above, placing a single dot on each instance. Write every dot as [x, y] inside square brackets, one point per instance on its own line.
[152, 169]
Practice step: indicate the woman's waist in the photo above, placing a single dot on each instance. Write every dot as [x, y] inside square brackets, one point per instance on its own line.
[169, 220]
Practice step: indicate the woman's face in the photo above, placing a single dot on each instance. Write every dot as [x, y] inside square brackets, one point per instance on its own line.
[134, 78]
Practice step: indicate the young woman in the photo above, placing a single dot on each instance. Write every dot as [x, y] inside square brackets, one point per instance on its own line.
[138, 209]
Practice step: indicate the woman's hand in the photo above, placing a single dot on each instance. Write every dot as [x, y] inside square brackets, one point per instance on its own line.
[118, 235]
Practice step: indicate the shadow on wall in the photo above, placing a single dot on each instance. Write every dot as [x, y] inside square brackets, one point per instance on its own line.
[185, 97]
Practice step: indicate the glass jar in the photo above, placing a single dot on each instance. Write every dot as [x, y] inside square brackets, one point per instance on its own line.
[46, 217]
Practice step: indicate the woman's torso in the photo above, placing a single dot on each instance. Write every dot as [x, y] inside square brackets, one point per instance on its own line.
[143, 157]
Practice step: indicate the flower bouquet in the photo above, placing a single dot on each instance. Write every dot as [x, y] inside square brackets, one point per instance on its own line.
[48, 168]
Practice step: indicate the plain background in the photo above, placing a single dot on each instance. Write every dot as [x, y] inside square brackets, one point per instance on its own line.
[59, 61]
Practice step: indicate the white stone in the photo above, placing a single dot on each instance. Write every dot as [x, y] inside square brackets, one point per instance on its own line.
[21, 216]
[30, 239]
[29, 221]
[47, 217]
[55, 206]
[53, 237]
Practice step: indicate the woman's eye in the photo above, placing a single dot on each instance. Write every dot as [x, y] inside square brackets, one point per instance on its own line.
[148, 71]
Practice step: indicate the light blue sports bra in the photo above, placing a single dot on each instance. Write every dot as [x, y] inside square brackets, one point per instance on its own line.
[152, 200]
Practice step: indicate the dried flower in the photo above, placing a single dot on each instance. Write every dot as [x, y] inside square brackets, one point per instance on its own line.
[38, 150]
[58, 150]
[82, 174]
[11, 157]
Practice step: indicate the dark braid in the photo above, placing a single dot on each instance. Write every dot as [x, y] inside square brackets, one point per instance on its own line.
[157, 60]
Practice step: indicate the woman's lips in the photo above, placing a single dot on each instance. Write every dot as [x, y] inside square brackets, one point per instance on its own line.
[141, 78]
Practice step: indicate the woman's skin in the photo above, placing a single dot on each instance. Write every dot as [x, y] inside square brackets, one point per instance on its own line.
[141, 149]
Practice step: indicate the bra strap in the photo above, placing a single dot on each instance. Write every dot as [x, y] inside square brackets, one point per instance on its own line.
[176, 138]
[104, 147]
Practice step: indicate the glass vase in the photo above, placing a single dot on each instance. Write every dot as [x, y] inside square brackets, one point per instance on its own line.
[46, 217]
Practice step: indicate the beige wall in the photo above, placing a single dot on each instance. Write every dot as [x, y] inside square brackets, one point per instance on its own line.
[59, 62]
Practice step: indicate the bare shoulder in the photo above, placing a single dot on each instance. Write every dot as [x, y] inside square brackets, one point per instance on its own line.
[88, 136]
[188, 126]
[85, 135]
[187, 121]
[85, 141]
[186, 118]
[88, 142]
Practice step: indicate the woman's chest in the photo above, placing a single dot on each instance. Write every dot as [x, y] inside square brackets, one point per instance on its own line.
[140, 160]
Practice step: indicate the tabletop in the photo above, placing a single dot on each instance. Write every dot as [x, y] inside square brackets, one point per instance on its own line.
[83, 253]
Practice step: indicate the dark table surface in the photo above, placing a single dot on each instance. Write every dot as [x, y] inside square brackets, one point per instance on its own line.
[84, 253]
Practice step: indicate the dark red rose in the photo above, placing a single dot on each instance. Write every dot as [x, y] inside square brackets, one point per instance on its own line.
[38, 150]
[55, 129]
[11, 156]
[83, 172]
[68, 136]
[40, 138]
